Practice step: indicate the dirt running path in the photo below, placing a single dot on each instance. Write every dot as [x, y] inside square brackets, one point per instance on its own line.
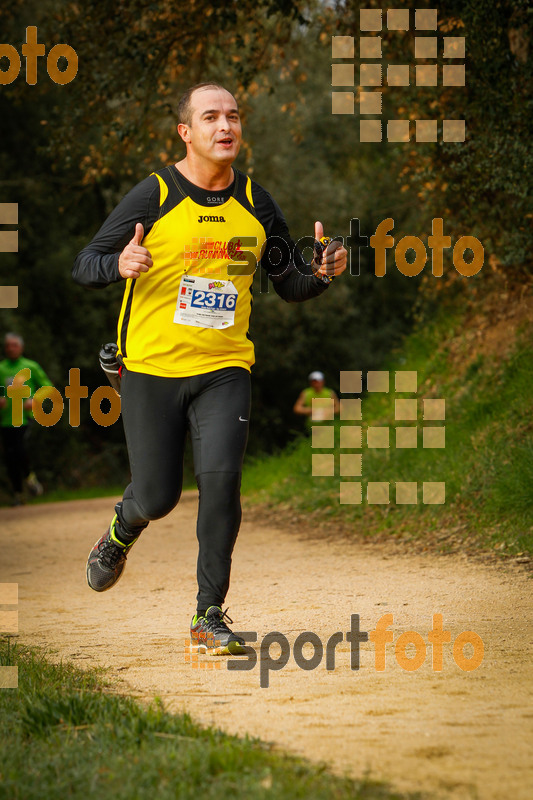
[452, 734]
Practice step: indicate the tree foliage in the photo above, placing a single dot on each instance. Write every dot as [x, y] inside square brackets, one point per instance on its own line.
[483, 186]
[69, 153]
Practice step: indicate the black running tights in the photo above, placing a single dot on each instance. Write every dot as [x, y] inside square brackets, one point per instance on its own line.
[156, 414]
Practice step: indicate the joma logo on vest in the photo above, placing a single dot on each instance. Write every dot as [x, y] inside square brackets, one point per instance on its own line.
[211, 219]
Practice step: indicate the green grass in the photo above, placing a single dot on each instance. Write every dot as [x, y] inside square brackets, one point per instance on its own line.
[487, 461]
[65, 736]
[61, 495]
[85, 493]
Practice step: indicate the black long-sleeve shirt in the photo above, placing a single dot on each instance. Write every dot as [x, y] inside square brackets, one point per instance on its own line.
[189, 232]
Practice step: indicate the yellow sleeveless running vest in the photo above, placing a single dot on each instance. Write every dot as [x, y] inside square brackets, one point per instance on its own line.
[192, 241]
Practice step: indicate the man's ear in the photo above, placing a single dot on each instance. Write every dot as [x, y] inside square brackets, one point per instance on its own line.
[183, 131]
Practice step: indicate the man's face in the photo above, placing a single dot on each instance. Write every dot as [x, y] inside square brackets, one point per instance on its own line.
[317, 385]
[215, 132]
[13, 348]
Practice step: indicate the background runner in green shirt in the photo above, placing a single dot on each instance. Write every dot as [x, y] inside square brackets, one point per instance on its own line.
[14, 438]
[316, 388]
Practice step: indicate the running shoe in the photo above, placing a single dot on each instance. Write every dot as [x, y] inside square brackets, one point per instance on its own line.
[107, 560]
[211, 635]
[34, 486]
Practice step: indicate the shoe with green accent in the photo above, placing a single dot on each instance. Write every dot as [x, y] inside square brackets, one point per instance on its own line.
[107, 560]
[211, 635]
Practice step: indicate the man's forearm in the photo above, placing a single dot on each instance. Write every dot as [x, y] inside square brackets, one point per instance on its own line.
[96, 269]
[296, 287]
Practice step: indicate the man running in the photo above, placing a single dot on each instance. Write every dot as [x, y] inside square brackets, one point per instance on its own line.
[187, 241]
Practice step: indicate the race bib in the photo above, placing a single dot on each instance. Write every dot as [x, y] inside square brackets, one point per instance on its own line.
[206, 302]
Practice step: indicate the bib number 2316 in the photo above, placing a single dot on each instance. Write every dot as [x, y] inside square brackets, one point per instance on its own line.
[205, 302]
[202, 299]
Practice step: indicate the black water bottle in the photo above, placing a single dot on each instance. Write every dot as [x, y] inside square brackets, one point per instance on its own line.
[110, 364]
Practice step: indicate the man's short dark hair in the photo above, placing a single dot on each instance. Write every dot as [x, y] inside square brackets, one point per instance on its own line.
[184, 104]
